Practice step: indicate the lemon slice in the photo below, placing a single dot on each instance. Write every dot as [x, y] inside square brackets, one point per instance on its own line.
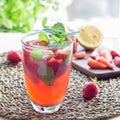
[90, 37]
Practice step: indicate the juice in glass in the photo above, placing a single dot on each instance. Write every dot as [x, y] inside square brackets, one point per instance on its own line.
[46, 72]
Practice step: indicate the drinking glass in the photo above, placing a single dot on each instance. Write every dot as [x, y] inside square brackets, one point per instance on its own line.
[46, 72]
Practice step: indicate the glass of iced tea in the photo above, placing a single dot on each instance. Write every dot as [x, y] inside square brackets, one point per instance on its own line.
[47, 66]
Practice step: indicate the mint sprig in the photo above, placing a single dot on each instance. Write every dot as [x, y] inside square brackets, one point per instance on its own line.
[57, 32]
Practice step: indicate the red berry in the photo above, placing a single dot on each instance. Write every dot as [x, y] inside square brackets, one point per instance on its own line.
[54, 64]
[117, 61]
[114, 54]
[13, 56]
[61, 55]
[80, 55]
[90, 90]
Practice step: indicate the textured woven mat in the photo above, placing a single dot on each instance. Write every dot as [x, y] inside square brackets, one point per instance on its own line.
[15, 104]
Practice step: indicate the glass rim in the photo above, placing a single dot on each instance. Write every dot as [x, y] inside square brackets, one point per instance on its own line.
[33, 32]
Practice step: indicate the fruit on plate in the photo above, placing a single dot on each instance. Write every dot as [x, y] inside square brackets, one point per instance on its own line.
[75, 43]
[117, 61]
[106, 54]
[114, 53]
[101, 59]
[95, 53]
[90, 37]
[90, 89]
[13, 56]
[94, 64]
[80, 55]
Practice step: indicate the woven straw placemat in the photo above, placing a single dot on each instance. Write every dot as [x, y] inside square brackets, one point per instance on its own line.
[15, 104]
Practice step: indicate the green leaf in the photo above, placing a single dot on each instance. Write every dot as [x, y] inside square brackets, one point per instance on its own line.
[36, 55]
[43, 37]
[94, 79]
[44, 21]
[46, 74]
[48, 30]
[20, 15]
[59, 28]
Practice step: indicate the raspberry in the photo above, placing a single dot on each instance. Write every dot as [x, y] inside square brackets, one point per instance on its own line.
[90, 90]
[13, 56]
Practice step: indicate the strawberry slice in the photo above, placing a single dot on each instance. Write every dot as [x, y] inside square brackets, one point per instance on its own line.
[114, 53]
[75, 44]
[95, 64]
[54, 63]
[80, 55]
[95, 53]
[106, 54]
[101, 59]
[117, 61]
[62, 55]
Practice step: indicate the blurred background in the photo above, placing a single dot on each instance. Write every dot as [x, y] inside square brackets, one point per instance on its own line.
[25, 15]
[87, 9]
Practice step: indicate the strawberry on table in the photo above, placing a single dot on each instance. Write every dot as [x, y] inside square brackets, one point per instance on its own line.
[90, 90]
[95, 53]
[114, 53]
[13, 56]
[106, 54]
[80, 55]
[117, 61]
[101, 59]
[95, 64]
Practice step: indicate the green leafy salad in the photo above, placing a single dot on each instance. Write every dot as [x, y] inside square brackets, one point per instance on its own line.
[20, 15]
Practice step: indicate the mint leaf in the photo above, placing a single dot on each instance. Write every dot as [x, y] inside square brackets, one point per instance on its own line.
[46, 74]
[44, 21]
[36, 55]
[43, 37]
[56, 32]
[59, 28]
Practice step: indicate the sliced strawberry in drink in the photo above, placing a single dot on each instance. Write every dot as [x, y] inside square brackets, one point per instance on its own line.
[54, 64]
[62, 55]
[58, 66]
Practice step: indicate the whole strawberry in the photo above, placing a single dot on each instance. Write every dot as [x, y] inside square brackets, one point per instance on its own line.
[90, 90]
[13, 56]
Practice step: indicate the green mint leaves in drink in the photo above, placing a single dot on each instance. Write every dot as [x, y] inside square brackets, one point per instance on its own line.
[57, 33]
[36, 55]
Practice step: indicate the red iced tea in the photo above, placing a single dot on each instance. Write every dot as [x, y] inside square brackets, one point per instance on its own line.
[46, 76]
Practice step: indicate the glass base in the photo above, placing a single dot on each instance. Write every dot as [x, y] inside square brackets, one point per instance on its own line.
[46, 110]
